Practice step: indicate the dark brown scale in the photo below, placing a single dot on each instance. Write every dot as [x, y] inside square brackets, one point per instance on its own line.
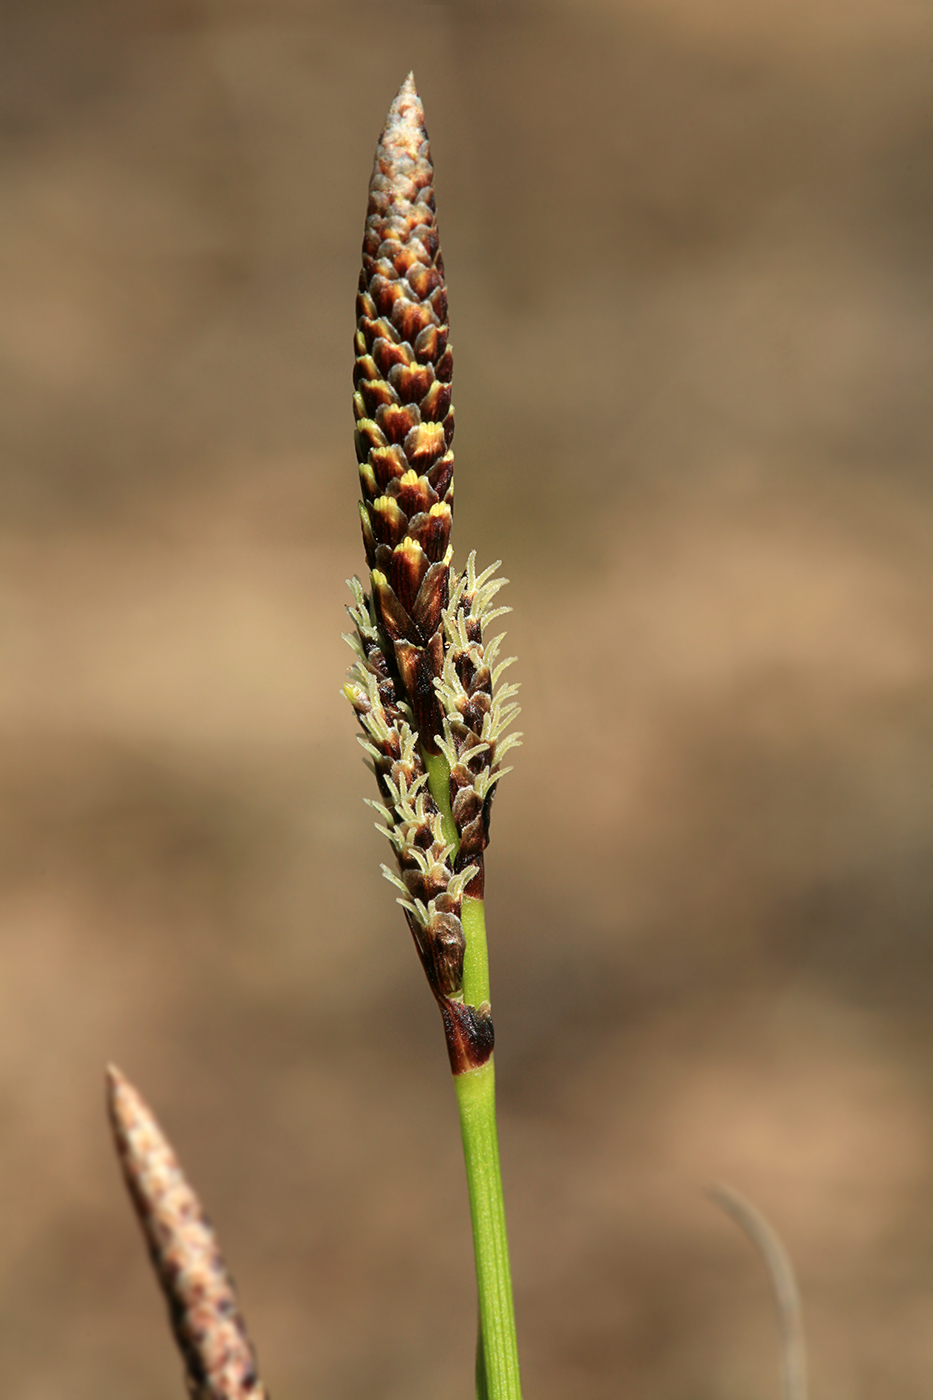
[408, 567]
[473, 711]
[480, 680]
[431, 599]
[381, 569]
[388, 352]
[386, 294]
[416, 671]
[368, 436]
[416, 494]
[461, 775]
[376, 329]
[424, 444]
[393, 619]
[466, 806]
[441, 476]
[448, 946]
[388, 522]
[375, 393]
[365, 368]
[431, 530]
[423, 281]
[438, 303]
[431, 344]
[435, 405]
[396, 422]
[411, 382]
[411, 317]
[388, 464]
[472, 840]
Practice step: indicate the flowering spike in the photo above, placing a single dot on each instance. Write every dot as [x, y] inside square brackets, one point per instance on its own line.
[422, 683]
[219, 1359]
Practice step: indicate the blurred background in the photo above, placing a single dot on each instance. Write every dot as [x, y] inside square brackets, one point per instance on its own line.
[689, 256]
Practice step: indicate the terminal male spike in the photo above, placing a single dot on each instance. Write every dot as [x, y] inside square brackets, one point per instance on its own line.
[405, 422]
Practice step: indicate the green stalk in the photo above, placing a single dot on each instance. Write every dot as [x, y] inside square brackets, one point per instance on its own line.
[476, 956]
[438, 771]
[497, 1372]
[476, 1098]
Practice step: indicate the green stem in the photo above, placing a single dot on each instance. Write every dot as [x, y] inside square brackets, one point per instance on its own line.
[476, 956]
[438, 771]
[476, 1098]
[497, 1374]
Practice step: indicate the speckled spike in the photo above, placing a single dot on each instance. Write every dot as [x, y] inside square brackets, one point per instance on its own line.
[405, 422]
[219, 1359]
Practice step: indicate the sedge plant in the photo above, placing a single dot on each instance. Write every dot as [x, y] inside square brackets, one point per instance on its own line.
[426, 685]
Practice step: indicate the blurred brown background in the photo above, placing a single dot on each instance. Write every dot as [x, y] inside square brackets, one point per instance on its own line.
[689, 251]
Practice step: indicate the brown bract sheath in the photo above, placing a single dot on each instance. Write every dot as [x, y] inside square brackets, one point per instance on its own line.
[405, 422]
[469, 1033]
[220, 1363]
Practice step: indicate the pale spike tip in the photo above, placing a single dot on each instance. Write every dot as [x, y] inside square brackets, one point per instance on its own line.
[404, 131]
[117, 1086]
[125, 1104]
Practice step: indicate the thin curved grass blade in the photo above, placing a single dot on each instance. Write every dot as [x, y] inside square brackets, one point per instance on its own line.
[783, 1281]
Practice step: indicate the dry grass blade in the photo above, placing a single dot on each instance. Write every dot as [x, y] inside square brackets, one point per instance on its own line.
[783, 1281]
[220, 1363]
